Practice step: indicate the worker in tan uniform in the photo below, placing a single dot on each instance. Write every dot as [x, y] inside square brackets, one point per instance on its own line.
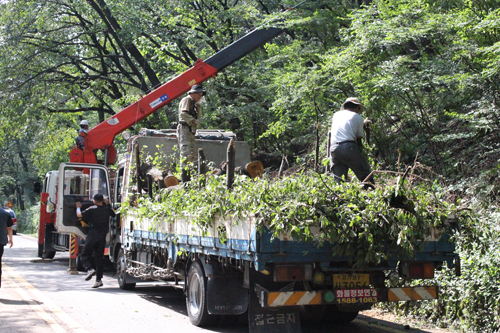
[189, 115]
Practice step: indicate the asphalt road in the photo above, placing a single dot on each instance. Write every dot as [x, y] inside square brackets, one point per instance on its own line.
[43, 297]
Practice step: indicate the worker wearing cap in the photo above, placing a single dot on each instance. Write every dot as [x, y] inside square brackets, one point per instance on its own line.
[345, 154]
[84, 127]
[189, 115]
[97, 217]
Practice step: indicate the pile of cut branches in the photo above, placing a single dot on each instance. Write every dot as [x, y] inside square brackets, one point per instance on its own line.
[365, 225]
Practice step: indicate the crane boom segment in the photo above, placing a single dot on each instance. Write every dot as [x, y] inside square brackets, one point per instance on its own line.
[101, 136]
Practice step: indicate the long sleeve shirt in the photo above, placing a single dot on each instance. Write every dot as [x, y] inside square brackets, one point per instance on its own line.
[189, 110]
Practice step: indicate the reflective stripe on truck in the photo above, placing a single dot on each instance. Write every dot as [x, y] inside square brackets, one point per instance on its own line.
[346, 296]
[412, 294]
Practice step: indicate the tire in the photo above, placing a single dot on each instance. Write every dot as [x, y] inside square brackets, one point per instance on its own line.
[121, 273]
[196, 297]
[79, 264]
[14, 232]
[40, 250]
[49, 255]
[313, 313]
[342, 317]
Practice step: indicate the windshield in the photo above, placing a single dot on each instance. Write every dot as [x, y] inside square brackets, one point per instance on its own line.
[85, 184]
[98, 183]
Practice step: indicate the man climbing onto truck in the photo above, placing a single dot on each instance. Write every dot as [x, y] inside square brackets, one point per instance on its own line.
[97, 217]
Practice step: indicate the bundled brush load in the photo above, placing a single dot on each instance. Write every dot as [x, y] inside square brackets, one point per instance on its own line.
[367, 226]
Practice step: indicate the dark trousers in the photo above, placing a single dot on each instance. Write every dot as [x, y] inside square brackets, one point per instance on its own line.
[347, 156]
[1, 254]
[94, 245]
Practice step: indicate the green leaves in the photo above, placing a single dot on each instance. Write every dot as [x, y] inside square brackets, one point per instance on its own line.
[366, 227]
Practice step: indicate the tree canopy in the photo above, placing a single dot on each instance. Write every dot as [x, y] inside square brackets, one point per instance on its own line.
[427, 72]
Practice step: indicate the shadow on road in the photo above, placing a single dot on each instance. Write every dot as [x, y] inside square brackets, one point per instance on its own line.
[12, 302]
[51, 277]
[175, 300]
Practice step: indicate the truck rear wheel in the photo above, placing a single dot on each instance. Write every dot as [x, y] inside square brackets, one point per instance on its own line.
[121, 272]
[342, 317]
[313, 313]
[196, 297]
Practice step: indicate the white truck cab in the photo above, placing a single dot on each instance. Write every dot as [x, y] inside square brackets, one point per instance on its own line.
[80, 183]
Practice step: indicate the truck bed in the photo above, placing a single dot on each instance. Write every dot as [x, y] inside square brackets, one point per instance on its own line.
[239, 239]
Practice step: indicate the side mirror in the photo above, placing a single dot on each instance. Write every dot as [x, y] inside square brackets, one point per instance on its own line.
[37, 187]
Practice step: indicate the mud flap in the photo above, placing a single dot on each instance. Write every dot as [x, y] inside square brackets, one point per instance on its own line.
[226, 295]
[49, 230]
[284, 319]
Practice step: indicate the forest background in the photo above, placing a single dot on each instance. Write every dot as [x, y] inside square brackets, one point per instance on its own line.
[427, 72]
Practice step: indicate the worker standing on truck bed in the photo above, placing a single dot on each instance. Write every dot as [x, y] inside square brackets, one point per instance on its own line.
[189, 115]
[97, 217]
[346, 134]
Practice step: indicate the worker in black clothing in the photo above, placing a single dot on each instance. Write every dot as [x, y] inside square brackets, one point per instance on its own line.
[5, 235]
[97, 217]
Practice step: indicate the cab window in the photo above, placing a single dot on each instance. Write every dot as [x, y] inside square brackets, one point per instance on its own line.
[98, 183]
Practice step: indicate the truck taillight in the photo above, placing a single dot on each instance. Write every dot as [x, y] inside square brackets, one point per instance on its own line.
[286, 273]
[418, 270]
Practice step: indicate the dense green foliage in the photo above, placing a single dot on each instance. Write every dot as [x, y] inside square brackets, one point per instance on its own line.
[426, 70]
[366, 226]
[469, 303]
[28, 220]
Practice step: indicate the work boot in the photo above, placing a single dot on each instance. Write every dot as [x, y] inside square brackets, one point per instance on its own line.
[97, 284]
[90, 274]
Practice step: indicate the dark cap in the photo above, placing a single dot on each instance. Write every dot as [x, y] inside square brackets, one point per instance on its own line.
[98, 197]
[197, 88]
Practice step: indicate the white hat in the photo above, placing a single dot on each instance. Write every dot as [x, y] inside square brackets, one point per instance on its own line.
[84, 123]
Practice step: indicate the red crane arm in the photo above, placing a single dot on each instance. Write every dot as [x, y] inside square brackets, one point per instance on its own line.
[102, 135]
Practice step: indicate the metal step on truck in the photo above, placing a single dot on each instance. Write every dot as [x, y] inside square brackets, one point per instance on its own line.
[234, 268]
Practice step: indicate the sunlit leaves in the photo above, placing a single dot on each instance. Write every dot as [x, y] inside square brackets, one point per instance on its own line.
[365, 226]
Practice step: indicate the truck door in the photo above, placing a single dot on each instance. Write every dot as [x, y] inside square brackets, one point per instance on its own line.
[78, 186]
[118, 184]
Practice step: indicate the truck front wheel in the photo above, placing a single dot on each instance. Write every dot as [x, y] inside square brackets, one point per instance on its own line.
[196, 297]
[79, 264]
[48, 254]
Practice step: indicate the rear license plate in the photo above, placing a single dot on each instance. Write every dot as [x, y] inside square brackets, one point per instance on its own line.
[351, 281]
